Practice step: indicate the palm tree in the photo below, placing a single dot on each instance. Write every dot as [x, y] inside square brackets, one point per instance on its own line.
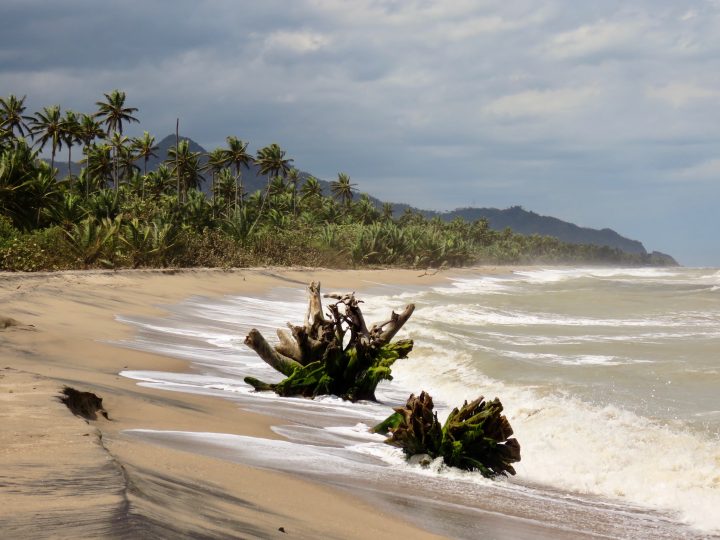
[70, 133]
[47, 126]
[98, 164]
[293, 177]
[365, 210]
[18, 168]
[89, 130]
[225, 189]
[126, 162]
[43, 194]
[278, 187]
[113, 113]
[160, 181]
[387, 211]
[118, 142]
[311, 189]
[236, 154]
[5, 138]
[145, 148]
[215, 163]
[186, 165]
[11, 115]
[343, 189]
[271, 162]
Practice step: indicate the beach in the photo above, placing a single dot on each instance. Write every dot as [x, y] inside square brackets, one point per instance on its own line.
[63, 476]
[188, 451]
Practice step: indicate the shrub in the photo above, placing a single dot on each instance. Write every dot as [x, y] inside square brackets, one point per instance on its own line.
[40, 250]
[7, 232]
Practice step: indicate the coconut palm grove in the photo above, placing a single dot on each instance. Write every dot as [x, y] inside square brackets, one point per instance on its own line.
[117, 213]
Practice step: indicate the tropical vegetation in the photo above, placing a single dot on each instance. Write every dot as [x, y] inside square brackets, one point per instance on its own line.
[116, 212]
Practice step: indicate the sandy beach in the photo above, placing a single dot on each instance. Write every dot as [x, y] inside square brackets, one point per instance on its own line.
[63, 476]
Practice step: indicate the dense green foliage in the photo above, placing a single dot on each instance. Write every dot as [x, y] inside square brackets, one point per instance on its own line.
[116, 214]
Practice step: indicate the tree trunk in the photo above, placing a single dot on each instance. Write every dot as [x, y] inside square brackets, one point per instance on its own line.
[315, 359]
[177, 167]
[280, 362]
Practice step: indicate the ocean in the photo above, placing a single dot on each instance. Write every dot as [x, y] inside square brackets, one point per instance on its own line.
[610, 378]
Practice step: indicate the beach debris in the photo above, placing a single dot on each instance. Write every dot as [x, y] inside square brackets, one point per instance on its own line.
[474, 437]
[84, 404]
[337, 355]
[8, 323]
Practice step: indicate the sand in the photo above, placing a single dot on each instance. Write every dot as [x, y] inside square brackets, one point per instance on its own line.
[62, 476]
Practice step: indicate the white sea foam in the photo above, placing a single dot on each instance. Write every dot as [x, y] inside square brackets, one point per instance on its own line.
[575, 360]
[480, 285]
[584, 448]
[551, 275]
[484, 315]
[567, 443]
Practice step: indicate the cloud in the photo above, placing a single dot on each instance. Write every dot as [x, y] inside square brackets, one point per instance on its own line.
[542, 102]
[705, 171]
[297, 41]
[598, 37]
[567, 108]
[680, 94]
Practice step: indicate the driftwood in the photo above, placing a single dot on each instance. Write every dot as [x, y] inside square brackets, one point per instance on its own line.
[85, 404]
[318, 358]
[474, 437]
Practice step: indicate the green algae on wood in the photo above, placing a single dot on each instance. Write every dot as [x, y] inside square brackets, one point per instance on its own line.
[337, 355]
[475, 437]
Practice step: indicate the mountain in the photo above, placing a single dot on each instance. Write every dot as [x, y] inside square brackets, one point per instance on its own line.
[525, 222]
[519, 220]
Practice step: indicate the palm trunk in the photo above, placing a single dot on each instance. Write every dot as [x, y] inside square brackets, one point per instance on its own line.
[213, 192]
[144, 176]
[87, 174]
[70, 161]
[177, 168]
[262, 206]
[241, 190]
[238, 180]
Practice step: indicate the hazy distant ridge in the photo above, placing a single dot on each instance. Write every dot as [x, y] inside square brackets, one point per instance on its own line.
[527, 222]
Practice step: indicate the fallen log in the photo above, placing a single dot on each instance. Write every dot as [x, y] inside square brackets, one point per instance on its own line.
[319, 359]
[475, 437]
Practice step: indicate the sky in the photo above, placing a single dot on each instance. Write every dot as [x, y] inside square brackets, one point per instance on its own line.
[602, 113]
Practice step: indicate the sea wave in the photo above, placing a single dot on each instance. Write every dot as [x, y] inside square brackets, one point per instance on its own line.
[569, 443]
[585, 448]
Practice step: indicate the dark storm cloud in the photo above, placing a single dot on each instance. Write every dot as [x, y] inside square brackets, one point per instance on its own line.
[599, 112]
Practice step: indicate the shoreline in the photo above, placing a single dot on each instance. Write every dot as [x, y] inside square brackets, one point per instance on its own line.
[101, 479]
[73, 317]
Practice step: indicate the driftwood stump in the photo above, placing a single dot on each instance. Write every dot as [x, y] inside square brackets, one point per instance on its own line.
[336, 354]
[474, 437]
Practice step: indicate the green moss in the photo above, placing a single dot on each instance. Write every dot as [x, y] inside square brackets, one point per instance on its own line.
[342, 373]
[475, 437]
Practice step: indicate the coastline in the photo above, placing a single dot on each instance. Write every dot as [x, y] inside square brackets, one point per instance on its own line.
[130, 477]
[98, 481]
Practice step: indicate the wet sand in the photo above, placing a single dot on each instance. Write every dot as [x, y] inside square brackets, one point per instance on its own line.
[63, 476]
